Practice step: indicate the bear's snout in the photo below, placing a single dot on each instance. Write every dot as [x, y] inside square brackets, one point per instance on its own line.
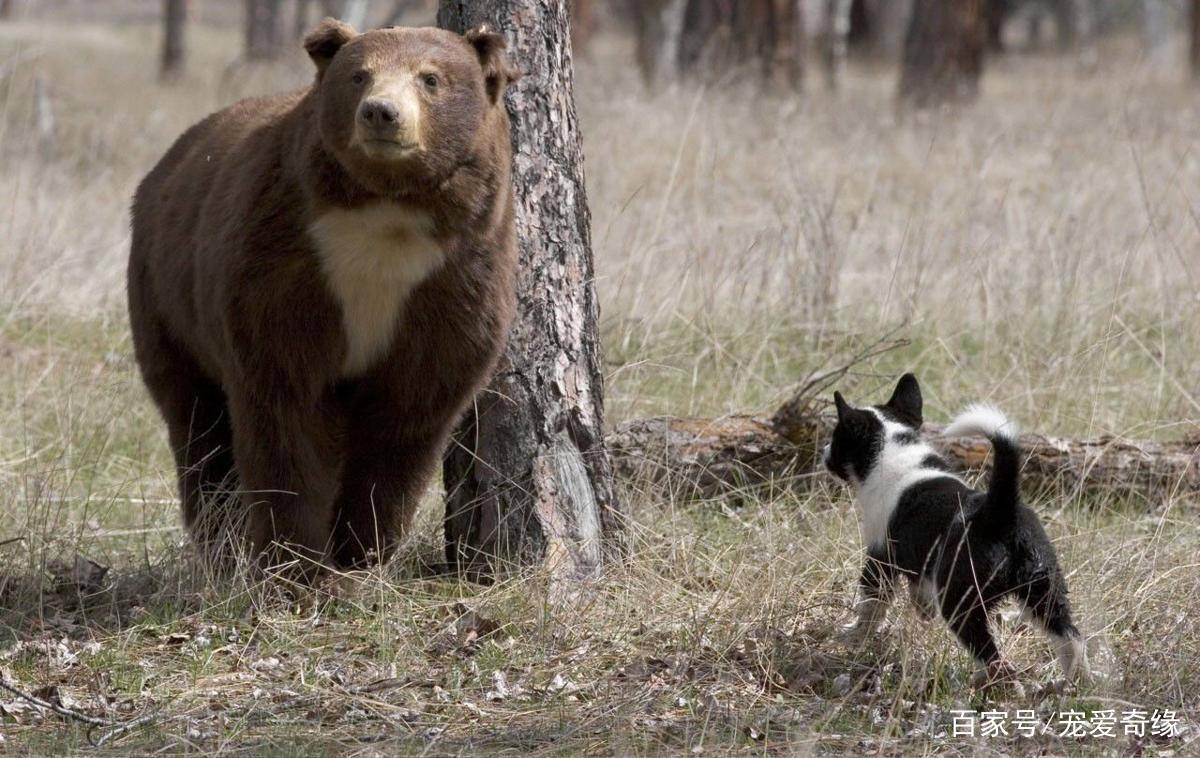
[388, 121]
[379, 114]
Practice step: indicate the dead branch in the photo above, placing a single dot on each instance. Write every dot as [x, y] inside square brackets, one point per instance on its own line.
[712, 454]
[113, 729]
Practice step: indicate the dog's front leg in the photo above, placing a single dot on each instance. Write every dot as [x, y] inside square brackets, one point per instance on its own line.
[876, 587]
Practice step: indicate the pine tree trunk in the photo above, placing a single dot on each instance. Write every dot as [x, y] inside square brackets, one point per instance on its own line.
[658, 31]
[783, 47]
[835, 30]
[583, 25]
[764, 38]
[892, 22]
[174, 26]
[262, 29]
[401, 8]
[528, 477]
[1156, 32]
[1194, 33]
[1066, 22]
[943, 52]
[300, 21]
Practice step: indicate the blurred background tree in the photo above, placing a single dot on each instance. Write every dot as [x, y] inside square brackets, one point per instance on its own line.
[174, 30]
[1195, 42]
[943, 51]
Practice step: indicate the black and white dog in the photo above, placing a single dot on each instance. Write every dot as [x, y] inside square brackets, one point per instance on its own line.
[962, 551]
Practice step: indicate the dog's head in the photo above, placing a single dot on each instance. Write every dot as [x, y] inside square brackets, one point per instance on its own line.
[861, 433]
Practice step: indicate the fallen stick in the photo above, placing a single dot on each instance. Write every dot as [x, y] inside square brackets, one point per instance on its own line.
[709, 455]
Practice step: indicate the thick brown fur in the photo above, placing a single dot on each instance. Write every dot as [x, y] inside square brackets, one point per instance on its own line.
[239, 335]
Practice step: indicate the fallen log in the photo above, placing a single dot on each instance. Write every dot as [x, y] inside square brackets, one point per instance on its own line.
[711, 455]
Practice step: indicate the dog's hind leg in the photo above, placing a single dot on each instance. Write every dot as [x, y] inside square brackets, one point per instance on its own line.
[924, 596]
[1045, 599]
[970, 625]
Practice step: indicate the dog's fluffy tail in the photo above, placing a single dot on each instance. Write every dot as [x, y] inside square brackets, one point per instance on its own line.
[988, 421]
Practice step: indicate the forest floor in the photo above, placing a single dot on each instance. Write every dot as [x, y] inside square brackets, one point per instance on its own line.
[1037, 250]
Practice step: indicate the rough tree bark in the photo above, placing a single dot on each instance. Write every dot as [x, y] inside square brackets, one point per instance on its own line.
[528, 477]
[174, 28]
[943, 52]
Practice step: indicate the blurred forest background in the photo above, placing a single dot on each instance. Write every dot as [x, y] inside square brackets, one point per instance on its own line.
[1006, 193]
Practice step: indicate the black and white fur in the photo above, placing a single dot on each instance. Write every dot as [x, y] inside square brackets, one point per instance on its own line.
[962, 551]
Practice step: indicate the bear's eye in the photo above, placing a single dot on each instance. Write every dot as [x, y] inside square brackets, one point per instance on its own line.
[359, 77]
[430, 81]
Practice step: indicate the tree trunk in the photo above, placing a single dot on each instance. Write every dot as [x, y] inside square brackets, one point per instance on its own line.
[528, 477]
[174, 27]
[1194, 33]
[401, 8]
[943, 52]
[783, 47]
[1156, 32]
[356, 12]
[1066, 23]
[6, 8]
[892, 23]
[835, 31]
[262, 33]
[995, 16]
[300, 21]
[762, 37]
[658, 30]
[583, 25]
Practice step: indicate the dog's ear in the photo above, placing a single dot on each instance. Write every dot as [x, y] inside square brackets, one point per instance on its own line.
[906, 400]
[842, 406]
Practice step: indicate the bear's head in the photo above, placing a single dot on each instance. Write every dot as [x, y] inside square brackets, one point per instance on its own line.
[403, 108]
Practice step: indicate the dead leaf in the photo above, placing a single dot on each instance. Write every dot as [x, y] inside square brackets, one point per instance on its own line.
[175, 639]
[471, 624]
[86, 574]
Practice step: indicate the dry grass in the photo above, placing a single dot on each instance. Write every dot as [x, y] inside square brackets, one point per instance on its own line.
[1039, 249]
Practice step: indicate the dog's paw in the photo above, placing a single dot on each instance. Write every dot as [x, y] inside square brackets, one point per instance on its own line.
[999, 679]
[854, 635]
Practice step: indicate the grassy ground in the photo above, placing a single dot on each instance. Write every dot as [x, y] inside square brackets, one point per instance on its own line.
[1038, 250]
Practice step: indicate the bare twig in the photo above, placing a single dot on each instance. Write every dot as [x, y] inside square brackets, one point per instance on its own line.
[788, 419]
[115, 728]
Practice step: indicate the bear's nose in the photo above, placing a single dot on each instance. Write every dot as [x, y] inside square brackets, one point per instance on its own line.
[379, 113]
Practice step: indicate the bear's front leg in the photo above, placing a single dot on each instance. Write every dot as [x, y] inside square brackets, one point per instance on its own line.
[288, 455]
[390, 458]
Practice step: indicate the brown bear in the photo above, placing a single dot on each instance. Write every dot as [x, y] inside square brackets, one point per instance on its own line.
[319, 282]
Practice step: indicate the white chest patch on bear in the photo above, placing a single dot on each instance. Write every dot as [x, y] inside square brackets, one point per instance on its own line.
[373, 258]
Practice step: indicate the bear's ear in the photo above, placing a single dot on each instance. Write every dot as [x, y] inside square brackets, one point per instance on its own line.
[323, 42]
[906, 400]
[498, 73]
